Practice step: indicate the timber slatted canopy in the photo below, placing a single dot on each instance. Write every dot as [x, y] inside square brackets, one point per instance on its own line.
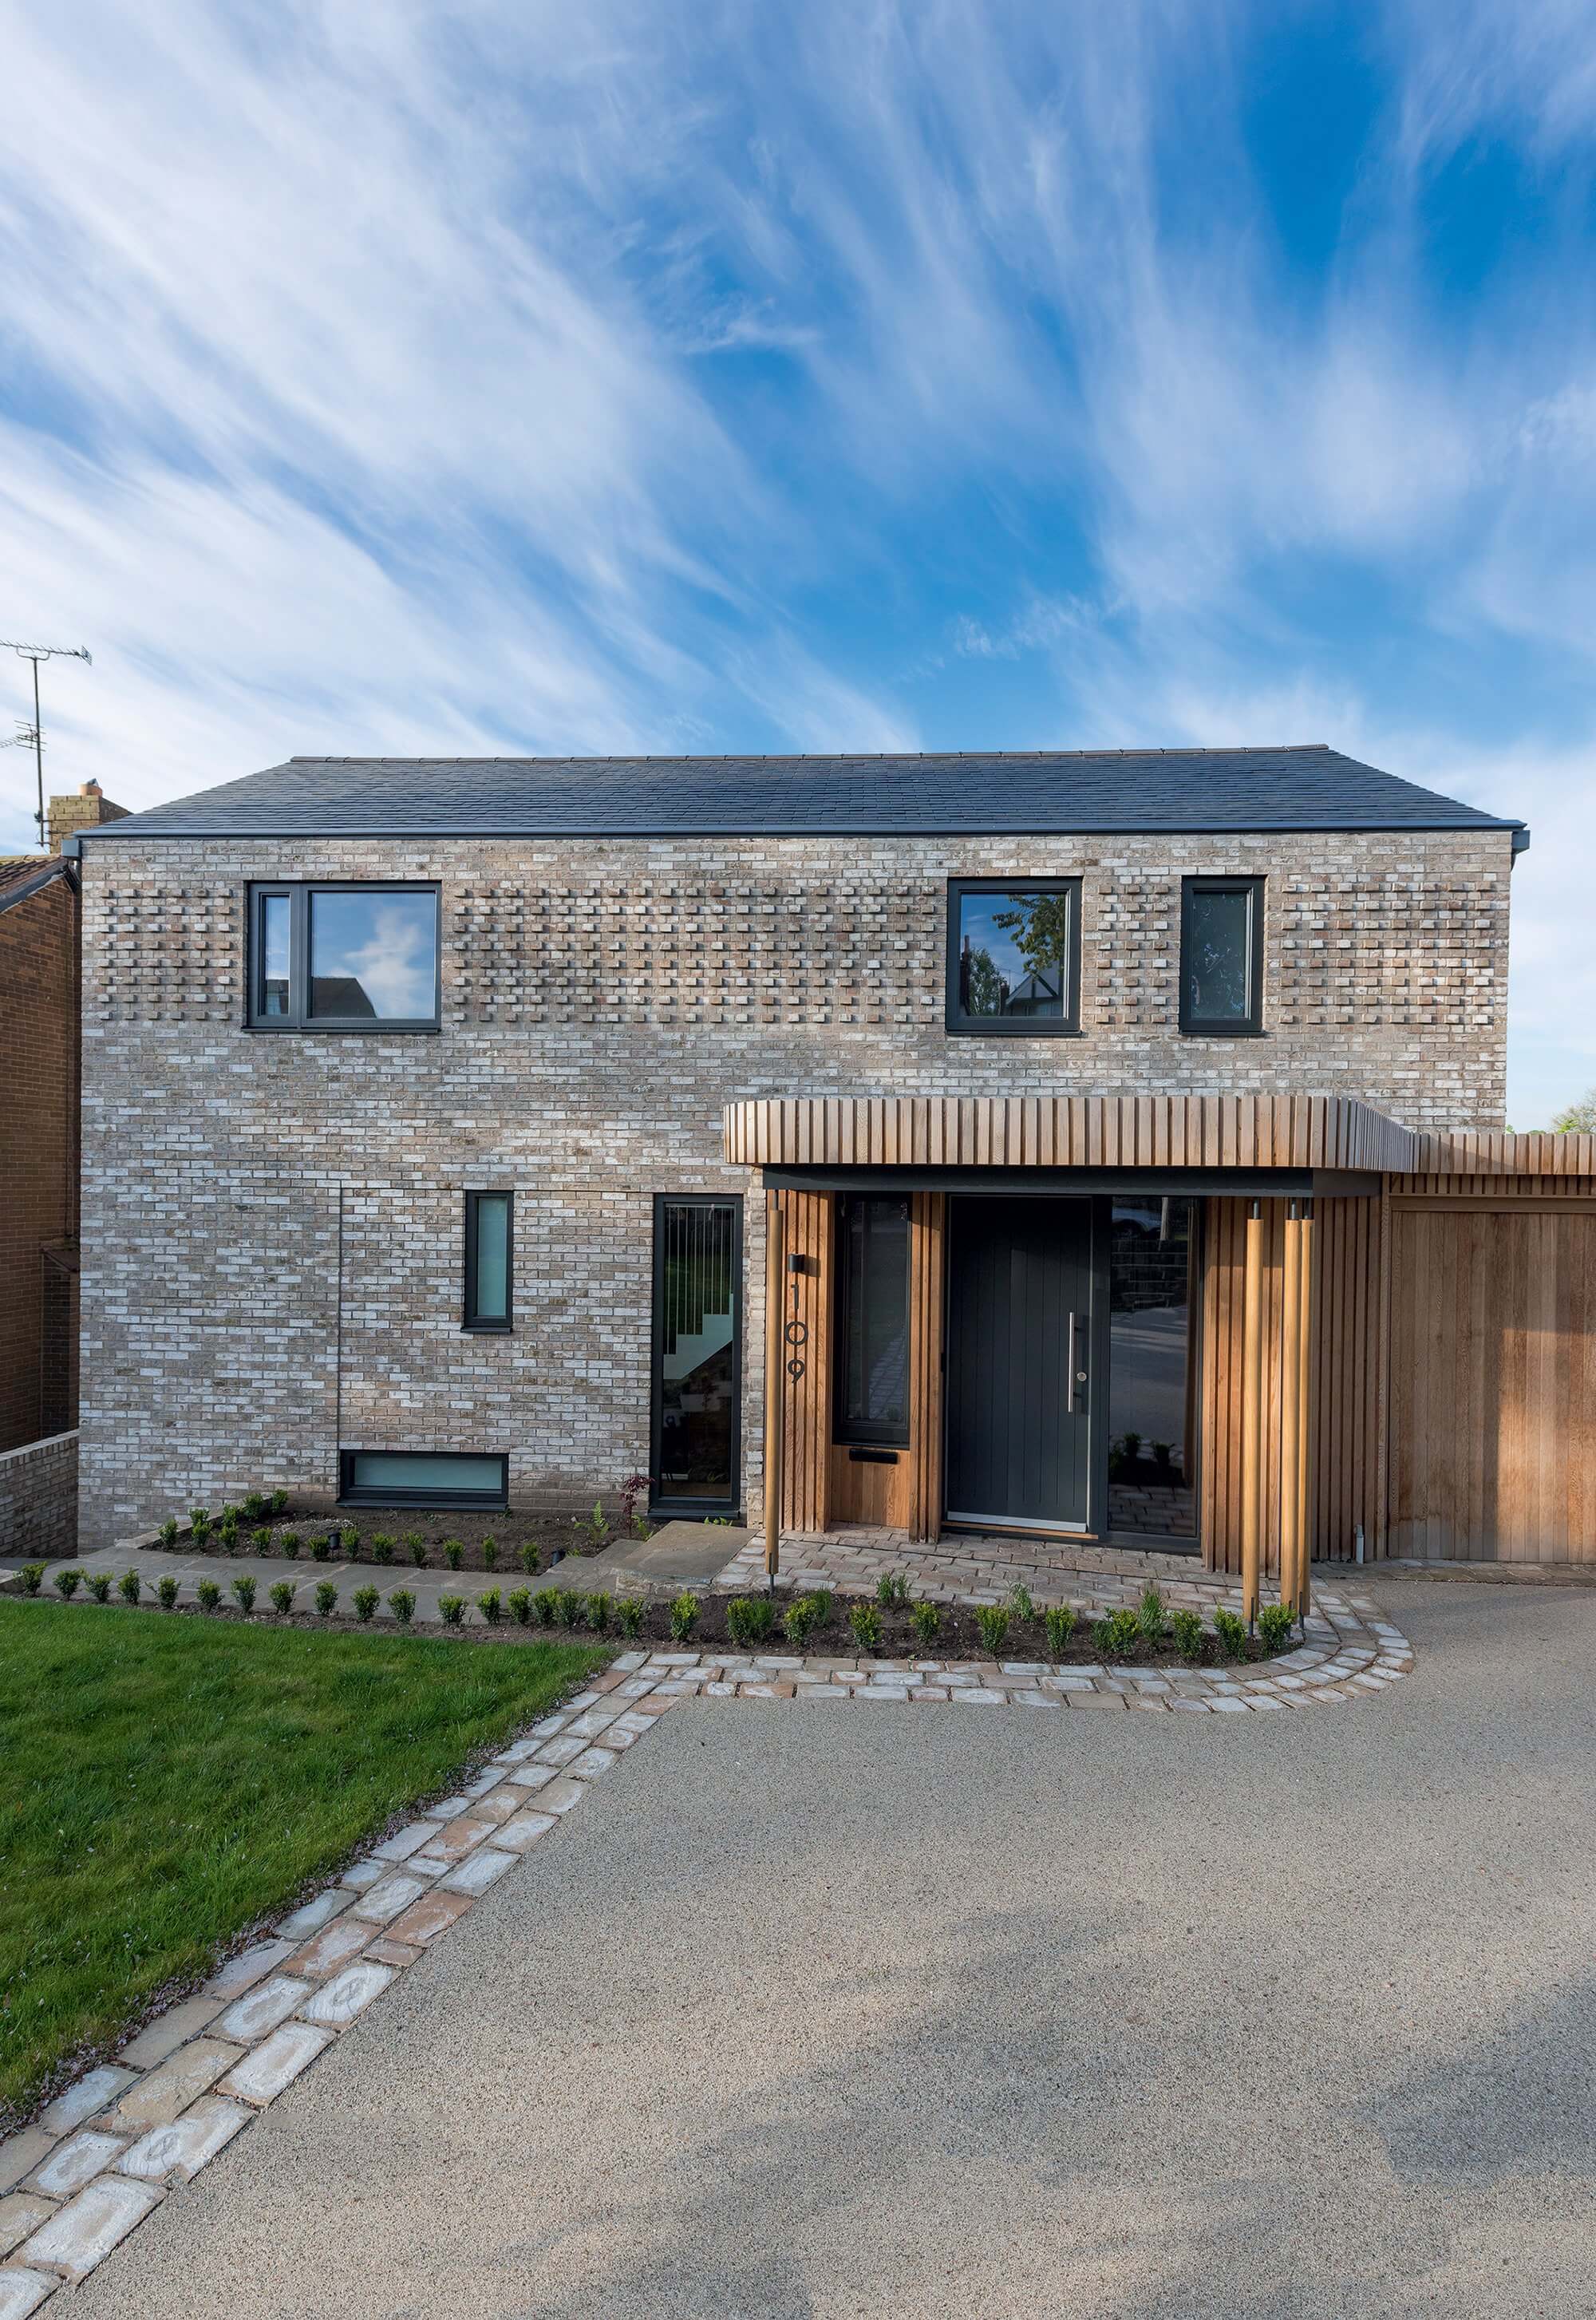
[1167, 1131]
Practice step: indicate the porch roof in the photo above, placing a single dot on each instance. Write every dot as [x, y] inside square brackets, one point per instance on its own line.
[1143, 1132]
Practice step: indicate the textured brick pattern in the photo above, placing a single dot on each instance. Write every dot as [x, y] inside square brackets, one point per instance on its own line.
[275, 1221]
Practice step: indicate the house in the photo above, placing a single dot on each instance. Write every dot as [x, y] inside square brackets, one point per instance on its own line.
[1119, 1132]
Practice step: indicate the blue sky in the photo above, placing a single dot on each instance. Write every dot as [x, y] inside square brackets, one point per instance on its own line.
[645, 377]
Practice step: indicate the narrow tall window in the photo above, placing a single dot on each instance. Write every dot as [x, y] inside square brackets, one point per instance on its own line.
[872, 1395]
[697, 1453]
[488, 1231]
[1222, 956]
[1014, 956]
[359, 957]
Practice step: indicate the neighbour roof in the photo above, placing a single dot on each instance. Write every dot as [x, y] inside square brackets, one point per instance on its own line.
[1025, 791]
[21, 874]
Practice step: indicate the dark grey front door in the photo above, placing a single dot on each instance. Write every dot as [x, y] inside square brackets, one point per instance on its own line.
[1018, 1323]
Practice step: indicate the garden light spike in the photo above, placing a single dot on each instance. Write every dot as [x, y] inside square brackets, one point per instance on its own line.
[35, 733]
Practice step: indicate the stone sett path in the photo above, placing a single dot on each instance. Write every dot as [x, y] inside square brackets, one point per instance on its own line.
[105, 2153]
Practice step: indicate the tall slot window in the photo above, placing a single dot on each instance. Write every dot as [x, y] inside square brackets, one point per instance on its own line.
[489, 1237]
[1014, 956]
[1222, 956]
[343, 958]
[696, 1415]
[871, 1390]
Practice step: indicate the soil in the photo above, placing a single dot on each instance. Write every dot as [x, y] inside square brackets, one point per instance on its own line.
[309, 1519]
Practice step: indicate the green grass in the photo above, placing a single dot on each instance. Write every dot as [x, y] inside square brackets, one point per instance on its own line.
[164, 1781]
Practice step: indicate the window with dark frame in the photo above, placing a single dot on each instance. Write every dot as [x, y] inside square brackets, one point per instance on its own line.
[423, 1478]
[871, 1397]
[1014, 956]
[343, 957]
[1222, 987]
[490, 1220]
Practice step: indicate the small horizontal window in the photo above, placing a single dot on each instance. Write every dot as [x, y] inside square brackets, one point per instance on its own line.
[423, 1478]
[1014, 956]
[489, 1217]
[343, 958]
[1222, 956]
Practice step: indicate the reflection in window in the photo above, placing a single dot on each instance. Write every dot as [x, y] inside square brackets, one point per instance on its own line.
[696, 1353]
[374, 955]
[873, 1328]
[274, 955]
[412, 1477]
[488, 1260]
[1219, 958]
[1150, 1412]
[1015, 952]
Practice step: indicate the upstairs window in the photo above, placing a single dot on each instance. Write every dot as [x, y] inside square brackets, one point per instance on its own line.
[343, 957]
[871, 1396]
[488, 1236]
[1014, 956]
[1222, 956]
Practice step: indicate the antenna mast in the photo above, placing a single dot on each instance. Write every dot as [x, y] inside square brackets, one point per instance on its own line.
[32, 736]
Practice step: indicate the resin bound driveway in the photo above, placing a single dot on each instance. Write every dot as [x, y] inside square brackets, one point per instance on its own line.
[912, 2009]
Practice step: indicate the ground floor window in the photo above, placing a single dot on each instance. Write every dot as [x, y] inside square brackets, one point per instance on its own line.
[423, 1478]
[1151, 1255]
[696, 1463]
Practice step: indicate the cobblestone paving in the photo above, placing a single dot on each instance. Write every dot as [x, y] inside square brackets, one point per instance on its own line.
[106, 2152]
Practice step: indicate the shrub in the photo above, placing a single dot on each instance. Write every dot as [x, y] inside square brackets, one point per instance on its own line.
[453, 1553]
[892, 1589]
[1021, 1603]
[634, 1505]
[277, 1504]
[208, 1594]
[99, 1585]
[169, 1531]
[401, 1603]
[1232, 1634]
[227, 1532]
[992, 1622]
[326, 1598]
[382, 1546]
[1185, 1633]
[32, 1576]
[244, 1589]
[491, 1604]
[282, 1597]
[490, 1552]
[928, 1623]
[320, 1547]
[600, 1610]
[451, 1609]
[260, 1540]
[290, 1544]
[253, 1506]
[569, 1607]
[1059, 1619]
[825, 1605]
[130, 1586]
[166, 1588]
[199, 1524]
[364, 1600]
[350, 1537]
[749, 1619]
[1152, 1622]
[864, 1620]
[628, 1610]
[684, 1616]
[546, 1604]
[415, 1546]
[68, 1583]
[798, 1622]
[1275, 1622]
[531, 1560]
[1117, 1636]
[518, 1604]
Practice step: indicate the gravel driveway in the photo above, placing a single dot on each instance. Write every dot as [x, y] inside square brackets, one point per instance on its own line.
[922, 2011]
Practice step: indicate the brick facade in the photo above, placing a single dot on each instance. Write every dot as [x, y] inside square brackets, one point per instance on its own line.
[39, 1499]
[38, 1152]
[275, 1220]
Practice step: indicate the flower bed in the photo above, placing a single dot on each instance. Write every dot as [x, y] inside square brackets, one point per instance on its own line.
[419, 1538]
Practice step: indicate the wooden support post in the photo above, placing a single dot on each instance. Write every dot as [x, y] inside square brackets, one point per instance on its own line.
[1290, 1405]
[1304, 1405]
[1252, 1409]
[776, 1282]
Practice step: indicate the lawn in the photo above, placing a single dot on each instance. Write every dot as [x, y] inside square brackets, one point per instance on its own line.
[166, 1780]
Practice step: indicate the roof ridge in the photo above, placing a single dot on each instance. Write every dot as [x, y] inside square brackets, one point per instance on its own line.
[825, 757]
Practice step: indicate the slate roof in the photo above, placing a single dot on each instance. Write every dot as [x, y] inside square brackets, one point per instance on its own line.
[21, 874]
[974, 792]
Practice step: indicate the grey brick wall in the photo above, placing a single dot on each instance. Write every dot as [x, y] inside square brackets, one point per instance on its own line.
[39, 1499]
[602, 1001]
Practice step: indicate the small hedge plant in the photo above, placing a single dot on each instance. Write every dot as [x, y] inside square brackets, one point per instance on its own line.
[326, 1598]
[207, 1594]
[244, 1587]
[1059, 1620]
[282, 1597]
[683, 1616]
[1232, 1634]
[1275, 1622]
[99, 1585]
[451, 1609]
[68, 1583]
[401, 1603]
[750, 1619]
[364, 1600]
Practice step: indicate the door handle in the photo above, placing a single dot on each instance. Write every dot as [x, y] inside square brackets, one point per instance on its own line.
[1077, 1374]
